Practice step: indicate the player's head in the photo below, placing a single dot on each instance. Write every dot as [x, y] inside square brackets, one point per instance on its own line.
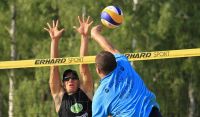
[70, 81]
[105, 63]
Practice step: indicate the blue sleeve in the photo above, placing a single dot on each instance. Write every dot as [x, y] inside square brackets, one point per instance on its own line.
[120, 58]
[98, 109]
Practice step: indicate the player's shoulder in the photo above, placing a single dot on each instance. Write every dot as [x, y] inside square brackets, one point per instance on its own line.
[119, 56]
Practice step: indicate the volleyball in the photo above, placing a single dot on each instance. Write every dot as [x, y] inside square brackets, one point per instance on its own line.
[112, 16]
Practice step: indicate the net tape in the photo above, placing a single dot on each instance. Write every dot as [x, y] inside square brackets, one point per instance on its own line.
[138, 56]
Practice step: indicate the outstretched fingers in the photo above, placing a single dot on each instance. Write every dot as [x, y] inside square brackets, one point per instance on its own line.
[53, 22]
[57, 23]
[79, 20]
[83, 17]
[88, 18]
[62, 30]
[49, 25]
[46, 29]
[90, 23]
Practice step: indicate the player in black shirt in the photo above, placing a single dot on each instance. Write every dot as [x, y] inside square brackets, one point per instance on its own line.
[73, 95]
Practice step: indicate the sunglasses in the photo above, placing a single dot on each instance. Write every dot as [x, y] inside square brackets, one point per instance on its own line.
[68, 78]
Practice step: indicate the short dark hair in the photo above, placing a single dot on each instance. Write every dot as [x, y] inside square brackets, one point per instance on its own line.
[106, 61]
[69, 71]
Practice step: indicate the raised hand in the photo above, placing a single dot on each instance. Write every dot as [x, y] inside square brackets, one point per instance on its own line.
[96, 30]
[84, 25]
[54, 33]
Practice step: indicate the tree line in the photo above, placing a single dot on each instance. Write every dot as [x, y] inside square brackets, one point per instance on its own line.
[149, 25]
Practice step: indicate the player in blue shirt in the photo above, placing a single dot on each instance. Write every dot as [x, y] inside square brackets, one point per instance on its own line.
[121, 93]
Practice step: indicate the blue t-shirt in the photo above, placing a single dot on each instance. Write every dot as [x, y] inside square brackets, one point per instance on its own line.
[122, 93]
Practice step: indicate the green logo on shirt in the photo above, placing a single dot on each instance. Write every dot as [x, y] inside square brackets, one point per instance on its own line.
[76, 108]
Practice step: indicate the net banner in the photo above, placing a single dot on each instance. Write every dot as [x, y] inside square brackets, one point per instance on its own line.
[138, 56]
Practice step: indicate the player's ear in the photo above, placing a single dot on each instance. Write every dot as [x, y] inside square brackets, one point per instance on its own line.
[97, 69]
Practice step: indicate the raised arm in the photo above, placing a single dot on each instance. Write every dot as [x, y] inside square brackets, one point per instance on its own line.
[57, 90]
[86, 77]
[101, 40]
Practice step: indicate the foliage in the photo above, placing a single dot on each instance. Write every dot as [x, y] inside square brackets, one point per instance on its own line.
[149, 25]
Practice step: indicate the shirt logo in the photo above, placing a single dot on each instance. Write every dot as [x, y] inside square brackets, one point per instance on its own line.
[106, 90]
[76, 108]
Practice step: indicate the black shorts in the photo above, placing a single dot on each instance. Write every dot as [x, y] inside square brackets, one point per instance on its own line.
[155, 112]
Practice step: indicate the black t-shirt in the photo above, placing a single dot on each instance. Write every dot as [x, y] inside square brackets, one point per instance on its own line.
[75, 105]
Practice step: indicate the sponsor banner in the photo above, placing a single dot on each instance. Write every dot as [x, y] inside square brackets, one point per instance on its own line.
[163, 54]
[91, 59]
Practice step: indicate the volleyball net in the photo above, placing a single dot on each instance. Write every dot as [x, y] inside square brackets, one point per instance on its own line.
[138, 56]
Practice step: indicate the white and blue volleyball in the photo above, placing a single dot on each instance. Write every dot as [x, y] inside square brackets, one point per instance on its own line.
[112, 16]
